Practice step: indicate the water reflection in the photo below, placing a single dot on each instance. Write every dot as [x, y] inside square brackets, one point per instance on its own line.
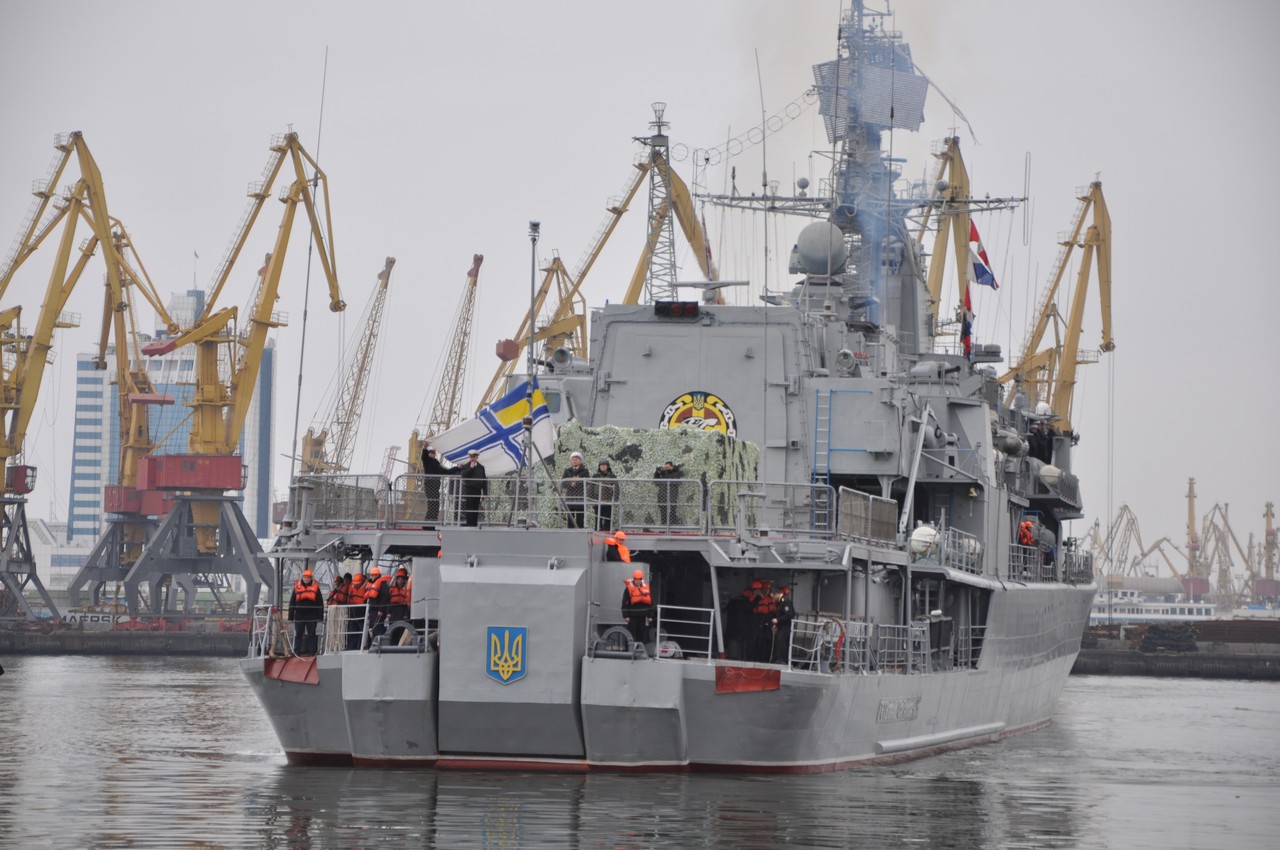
[335, 808]
[151, 752]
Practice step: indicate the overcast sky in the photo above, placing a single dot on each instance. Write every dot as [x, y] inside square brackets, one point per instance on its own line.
[447, 127]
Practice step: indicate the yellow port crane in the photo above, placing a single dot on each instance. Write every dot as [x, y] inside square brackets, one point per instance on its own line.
[330, 448]
[1271, 589]
[205, 532]
[130, 511]
[446, 409]
[1048, 374]
[566, 327]
[951, 202]
[25, 354]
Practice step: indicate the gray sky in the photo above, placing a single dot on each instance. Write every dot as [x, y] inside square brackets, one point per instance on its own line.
[446, 128]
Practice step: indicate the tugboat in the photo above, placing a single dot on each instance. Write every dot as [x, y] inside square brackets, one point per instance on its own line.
[841, 549]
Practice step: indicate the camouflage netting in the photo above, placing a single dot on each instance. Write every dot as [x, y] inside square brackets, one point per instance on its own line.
[637, 452]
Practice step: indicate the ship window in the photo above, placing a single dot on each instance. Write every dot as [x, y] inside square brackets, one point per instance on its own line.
[553, 400]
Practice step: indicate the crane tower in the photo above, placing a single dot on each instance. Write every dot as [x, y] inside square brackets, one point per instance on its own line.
[344, 421]
[446, 408]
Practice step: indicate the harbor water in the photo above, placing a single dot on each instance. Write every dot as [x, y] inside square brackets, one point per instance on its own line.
[162, 752]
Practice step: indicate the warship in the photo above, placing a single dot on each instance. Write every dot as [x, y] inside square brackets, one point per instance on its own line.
[855, 558]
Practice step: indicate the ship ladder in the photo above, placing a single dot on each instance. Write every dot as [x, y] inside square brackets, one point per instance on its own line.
[822, 435]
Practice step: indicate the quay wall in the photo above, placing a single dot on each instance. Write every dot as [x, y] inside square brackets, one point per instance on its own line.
[73, 642]
[1207, 649]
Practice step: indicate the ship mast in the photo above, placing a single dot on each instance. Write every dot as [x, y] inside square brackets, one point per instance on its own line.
[660, 272]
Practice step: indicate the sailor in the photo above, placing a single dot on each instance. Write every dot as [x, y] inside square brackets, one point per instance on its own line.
[339, 611]
[378, 597]
[1039, 445]
[475, 484]
[764, 610]
[432, 480]
[306, 609]
[623, 551]
[571, 486]
[783, 613]
[1026, 533]
[398, 596]
[611, 552]
[668, 472]
[605, 492]
[637, 606]
[341, 587]
[355, 614]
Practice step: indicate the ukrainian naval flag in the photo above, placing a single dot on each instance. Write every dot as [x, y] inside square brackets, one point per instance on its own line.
[497, 432]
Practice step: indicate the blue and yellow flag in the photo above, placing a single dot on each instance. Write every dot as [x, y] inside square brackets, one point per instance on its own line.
[497, 432]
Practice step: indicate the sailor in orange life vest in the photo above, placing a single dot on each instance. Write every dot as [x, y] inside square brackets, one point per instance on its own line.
[306, 608]
[356, 590]
[637, 606]
[398, 609]
[623, 551]
[615, 549]
[1026, 533]
[378, 596]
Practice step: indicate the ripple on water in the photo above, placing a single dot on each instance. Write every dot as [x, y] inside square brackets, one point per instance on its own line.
[164, 753]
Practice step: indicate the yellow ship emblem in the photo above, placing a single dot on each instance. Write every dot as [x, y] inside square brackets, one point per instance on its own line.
[507, 649]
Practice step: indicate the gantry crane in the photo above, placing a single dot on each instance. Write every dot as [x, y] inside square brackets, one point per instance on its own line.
[1196, 582]
[205, 533]
[25, 355]
[1049, 374]
[330, 448]
[447, 406]
[130, 511]
[1267, 587]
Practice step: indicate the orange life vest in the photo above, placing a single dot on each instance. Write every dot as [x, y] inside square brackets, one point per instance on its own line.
[306, 592]
[339, 595]
[1026, 536]
[638, 593]
[399, 595]
[624, 554]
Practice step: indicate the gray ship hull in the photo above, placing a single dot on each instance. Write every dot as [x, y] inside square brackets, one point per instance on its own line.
[309, 718]
[669, 714]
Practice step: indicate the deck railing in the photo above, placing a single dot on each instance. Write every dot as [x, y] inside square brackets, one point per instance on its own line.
[682, 505]
[866, 518]
[969, 645]
[1026, 564]
[1077, 567]
[684, 632]
[961, 551]
[763, 506]
[827, 645]
[343, 628]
